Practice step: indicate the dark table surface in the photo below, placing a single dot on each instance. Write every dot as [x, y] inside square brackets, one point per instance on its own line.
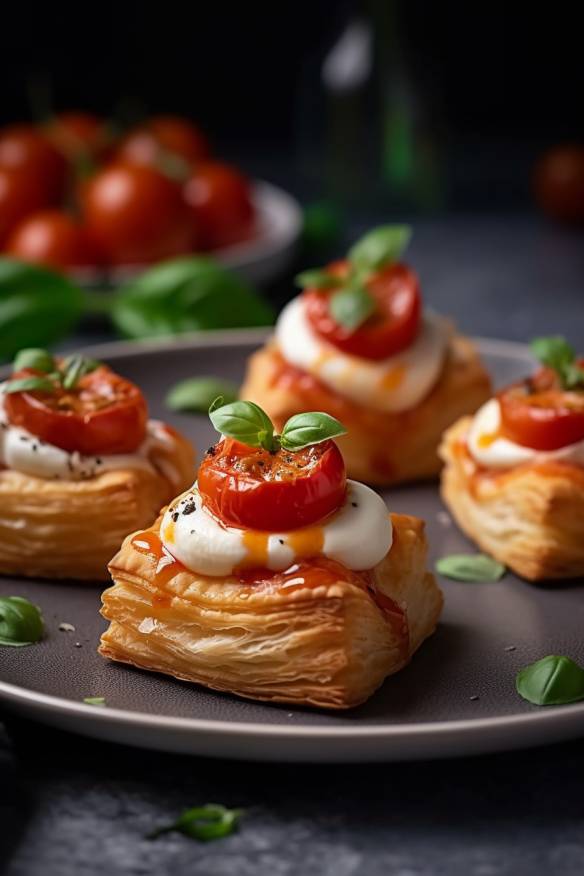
[74, 806]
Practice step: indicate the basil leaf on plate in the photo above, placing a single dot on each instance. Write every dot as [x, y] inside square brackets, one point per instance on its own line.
[35, 383]
[351, 307]
[21, 622]
[37, 307]
[380, 247]
[197, 394]
[317, 278]
[35, 358]
[204, 823]
[244, 421]
[187, 294]
[470, 567]
[302, 430]
[551, 681]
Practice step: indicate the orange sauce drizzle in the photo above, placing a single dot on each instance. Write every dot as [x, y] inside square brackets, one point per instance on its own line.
[307, 542]
[393, 378]
[256, 549]
[166, 567]
[487, 438]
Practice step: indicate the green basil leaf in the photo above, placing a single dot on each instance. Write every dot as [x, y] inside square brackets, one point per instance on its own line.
[470, 567]
[21, 622]
[379, 247]
[197, 394]
[551, 681]
[94, 701]
[318, 279]
[74, 368]
[244, 421]
[35, 358]
[204, 823]
[557, 353]
[302, 430]
[37, 307]
[29, 384]
[351, 307]
[187, 294]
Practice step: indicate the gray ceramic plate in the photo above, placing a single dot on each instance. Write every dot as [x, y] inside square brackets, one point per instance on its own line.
[456, 697]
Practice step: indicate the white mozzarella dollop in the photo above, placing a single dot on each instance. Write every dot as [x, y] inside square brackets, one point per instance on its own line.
[389, 385]
[22, 451]
[492, 450]
[358, 535]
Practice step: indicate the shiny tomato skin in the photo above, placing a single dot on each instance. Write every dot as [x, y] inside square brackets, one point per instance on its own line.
[78, 134]
[136, 214]
[24, 148]
[239, 486]
[219, 198]
[19, 196]
[392, 328]
[147, 143]
[539, 414]
[558, 183]
[104, 414]
[54, 239]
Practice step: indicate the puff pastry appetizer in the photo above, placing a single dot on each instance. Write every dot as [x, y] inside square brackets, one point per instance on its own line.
[273, 577]
[514, 475]
[356, 344]
[81, 466]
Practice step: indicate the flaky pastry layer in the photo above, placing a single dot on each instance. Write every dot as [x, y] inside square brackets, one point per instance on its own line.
[329, 646]
[531, 517]
[380, 448]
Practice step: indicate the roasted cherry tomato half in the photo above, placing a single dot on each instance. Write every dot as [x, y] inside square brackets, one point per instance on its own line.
[390, 329]
[24, 148]
[220, 201]
[538, 413]
[148, 143]
[136, 214]
[103, 414]
[52, 238]
[273, 492]
[79, 135]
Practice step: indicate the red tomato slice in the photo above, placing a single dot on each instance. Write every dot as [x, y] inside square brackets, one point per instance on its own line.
[273, 492]
[537, 413]
[389, 330]
[103, 414]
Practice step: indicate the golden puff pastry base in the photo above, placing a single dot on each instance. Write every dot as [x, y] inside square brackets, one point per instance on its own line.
[380, 448]
[531, 517]
[330, 646]
[70, 529]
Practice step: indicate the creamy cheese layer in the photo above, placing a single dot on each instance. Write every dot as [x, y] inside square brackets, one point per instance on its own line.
[358, 535]
[491, 450]
[389, 385]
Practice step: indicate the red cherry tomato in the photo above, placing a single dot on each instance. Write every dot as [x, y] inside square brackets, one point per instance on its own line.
[78, 135]
[136, 214]
[220, 200]
[24, 148]
[52, 238]
[104, 413]
[19, 196]
[274, 492]
[389, 330]
[148, 143]
[559, 183]
[537, 413]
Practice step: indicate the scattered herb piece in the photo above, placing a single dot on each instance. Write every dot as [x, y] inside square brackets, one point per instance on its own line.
[94, 701]
[204, 823]
[470, 567]
[558, 354]
[318, 278]
[21, 622]
[352, 306]
[380, 247]
[311, 428]
[66, 628]
[196, 394]
[551, 681]
[35, 358]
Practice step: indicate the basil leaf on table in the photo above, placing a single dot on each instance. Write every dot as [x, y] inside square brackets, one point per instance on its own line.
[552, 681]
[380, 247]
[204, 823]
[303, 430]
[186, 294]
[351, 307]
[37, 307]
[35, 358]
[21, 622]
[244, 421]
[470, 567]
[196, 394]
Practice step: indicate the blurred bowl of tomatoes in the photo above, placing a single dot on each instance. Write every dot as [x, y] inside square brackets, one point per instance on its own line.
[78, 197]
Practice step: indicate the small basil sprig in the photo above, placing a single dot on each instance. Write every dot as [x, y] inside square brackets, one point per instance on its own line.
[317, 278]
[552, 681]
[21, 622]
[197, 394]
[380, 247]
[352, 306]
[558, 354]
[35, 358]
[67, 373]
[470, 567]
[203, 823]
[247, 422]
